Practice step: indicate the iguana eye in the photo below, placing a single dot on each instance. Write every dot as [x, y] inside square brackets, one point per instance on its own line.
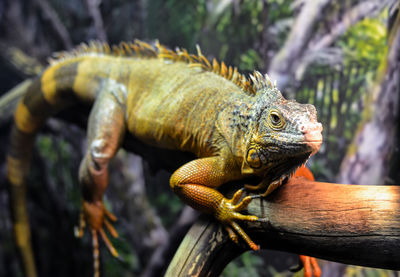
[276, 120]
[253, 159]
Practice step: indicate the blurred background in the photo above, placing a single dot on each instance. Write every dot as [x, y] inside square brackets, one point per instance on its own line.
[337, 55]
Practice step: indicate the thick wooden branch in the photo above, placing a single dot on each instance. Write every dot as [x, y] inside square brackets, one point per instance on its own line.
[352, 224]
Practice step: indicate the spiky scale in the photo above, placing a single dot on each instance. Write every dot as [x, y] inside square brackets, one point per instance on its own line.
[215, 66]
[224, 70]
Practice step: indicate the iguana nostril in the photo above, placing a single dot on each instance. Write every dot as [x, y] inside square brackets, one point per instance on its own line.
[311, 127]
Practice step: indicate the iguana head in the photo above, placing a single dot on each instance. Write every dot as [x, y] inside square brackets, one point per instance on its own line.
[282, 136]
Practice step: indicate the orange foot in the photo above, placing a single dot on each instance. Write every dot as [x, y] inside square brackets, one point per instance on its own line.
[97, 216]
[310, 265]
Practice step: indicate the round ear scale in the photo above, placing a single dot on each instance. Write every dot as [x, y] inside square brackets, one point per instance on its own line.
[253, 158]
[251, 162]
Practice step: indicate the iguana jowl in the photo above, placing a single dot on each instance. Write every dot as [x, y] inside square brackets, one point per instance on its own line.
[237, 127]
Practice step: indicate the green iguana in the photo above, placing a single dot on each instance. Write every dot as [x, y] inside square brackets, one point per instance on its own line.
[236, 126]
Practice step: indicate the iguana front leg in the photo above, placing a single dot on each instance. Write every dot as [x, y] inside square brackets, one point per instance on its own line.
[195, 183]
[105, 131]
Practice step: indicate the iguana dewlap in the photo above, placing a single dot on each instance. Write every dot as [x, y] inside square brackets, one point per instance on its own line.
[236, 126]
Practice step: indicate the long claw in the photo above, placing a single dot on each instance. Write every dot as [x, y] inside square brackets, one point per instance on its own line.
[110, 215]
[96, 254]
[316, 269]
[307, 265]
[243, 204]
[111, 228]
[108, 243]
[310, 265]
[236, 197]
[243, 234]
[274, 185]
[232, 234]
[242, 217]
[255, 187]
[79, 230]
[263, 220]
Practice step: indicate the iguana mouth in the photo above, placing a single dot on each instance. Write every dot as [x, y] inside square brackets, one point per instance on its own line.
[313, 137]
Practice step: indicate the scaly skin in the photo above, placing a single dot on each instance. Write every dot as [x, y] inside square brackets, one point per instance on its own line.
[237, 127]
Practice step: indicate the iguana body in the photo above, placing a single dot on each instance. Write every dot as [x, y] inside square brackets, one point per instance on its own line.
[237, 127]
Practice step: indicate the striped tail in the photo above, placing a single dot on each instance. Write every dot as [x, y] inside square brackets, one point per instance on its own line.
[51, 92]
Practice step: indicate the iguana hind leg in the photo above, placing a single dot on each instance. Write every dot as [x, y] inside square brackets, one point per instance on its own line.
[105, 131]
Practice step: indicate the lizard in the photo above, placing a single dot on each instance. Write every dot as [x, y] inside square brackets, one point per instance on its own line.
[236, 126]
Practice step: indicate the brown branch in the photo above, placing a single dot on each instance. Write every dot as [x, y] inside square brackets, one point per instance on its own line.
[345, 223]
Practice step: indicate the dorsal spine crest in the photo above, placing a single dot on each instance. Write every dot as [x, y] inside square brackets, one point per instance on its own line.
[251, 85]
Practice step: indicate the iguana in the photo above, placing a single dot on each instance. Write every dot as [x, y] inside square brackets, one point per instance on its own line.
[236, 126]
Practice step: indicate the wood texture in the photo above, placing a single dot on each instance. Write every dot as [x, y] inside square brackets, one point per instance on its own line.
[352, 224]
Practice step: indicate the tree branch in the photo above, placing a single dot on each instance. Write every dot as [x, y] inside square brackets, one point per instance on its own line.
[300, 34]
[352, 17]
[8, 101]
[345, 223]
[56, 23]
[365, 162]
[95, 14]
[162, 255]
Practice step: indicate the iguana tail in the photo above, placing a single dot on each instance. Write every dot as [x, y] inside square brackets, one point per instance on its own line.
[43, 96]
[9, 101]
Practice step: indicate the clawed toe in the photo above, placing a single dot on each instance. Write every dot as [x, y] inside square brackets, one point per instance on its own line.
[228, 213]
[108, 243]
[97, 216]
[310, 265]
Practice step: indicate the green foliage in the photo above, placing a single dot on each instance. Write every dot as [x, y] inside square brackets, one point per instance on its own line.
[243, 266]
[125, 264]
[176, 22]
[168, 206]
[279, 9]
[235, 31]
[366, 41]
[358, 271]
[60, 159]
[230, 32]
[249, 60]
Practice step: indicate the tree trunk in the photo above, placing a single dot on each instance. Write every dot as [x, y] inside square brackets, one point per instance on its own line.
[367, 160]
